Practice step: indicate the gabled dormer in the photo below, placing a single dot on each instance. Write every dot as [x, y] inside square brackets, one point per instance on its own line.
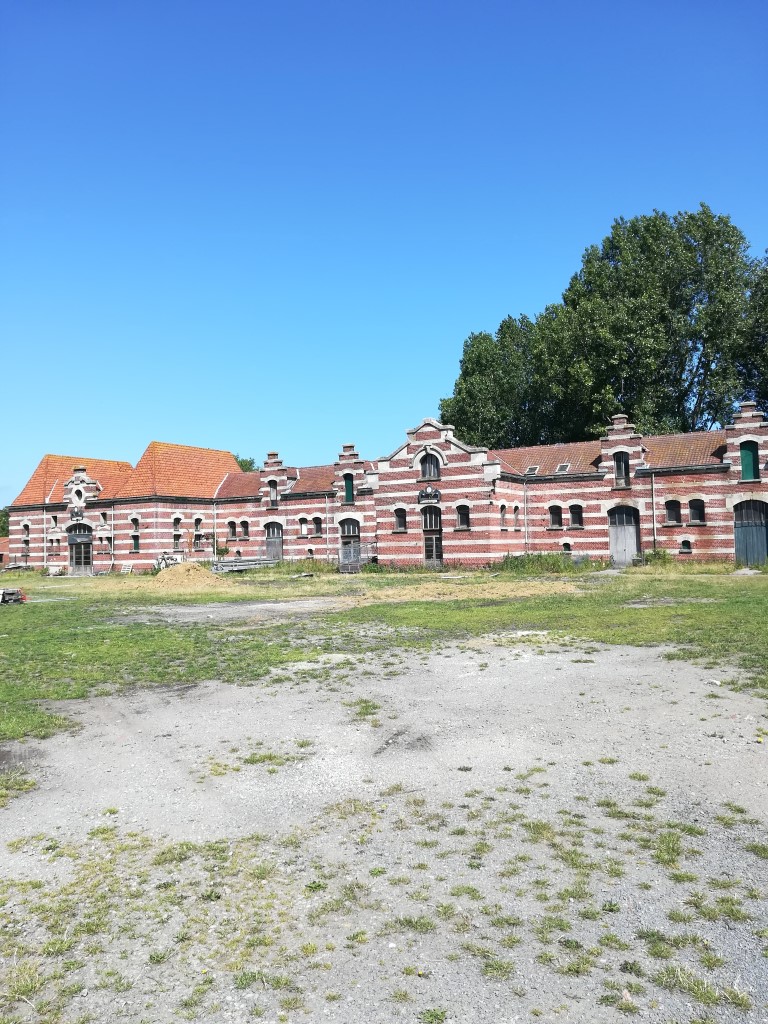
[348, 474]
[621, 451]
[747, 443]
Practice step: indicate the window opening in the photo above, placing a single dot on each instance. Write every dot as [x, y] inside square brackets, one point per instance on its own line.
[349, 489]
[621, 468]
[673, 512]
[462, 517]
[576, 513]
[696, 511]
[245, 529]
[750, 463]
[555, 516]
[401, 521]
[430, 467]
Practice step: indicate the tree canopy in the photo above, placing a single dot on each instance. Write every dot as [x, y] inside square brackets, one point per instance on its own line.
[246, 464]
[666, 321]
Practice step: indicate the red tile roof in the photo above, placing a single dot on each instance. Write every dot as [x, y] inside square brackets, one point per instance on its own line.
[177, 470]
[703, 448]
[240, 485]
[581, 456]
[313, 479]
[47, 482]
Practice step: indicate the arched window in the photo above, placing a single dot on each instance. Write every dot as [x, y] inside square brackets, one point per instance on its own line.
[431, 518]
[349, 528]
[750, 463]
[232, 529]
[272, 484]
[673, 511]
[462, 517]
[430, 467]
[302, 527]
[318, 524]
[401, 520]
[696, 511]
[245, 529]
[349, 489]
[567, 548]
[197, 539]
[25, 529]
[555, 516]
[516, 517]
[177, 533]
[621, 469]
[685, 547]
[135, 536]
[503, 517]
[576, 513]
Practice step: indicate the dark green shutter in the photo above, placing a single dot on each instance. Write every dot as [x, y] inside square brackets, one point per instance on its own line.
[750, 466]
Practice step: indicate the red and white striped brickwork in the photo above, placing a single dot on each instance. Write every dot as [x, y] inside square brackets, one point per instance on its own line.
[492, 503]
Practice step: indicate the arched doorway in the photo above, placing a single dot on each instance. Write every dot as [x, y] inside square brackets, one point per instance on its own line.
[624, 534]
[432, 525]
[80, 540]
[349, 544]
[274, 537]
[751, 532]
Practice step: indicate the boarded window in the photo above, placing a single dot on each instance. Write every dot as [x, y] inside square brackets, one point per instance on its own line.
[349, 488]
[750, 463]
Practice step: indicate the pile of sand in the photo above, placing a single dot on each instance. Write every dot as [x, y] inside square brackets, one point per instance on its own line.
[187, 576]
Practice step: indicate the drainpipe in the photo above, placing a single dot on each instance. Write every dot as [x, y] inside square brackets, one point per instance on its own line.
[525, 512]
[112, 545]
[653, 507]
[327, 534]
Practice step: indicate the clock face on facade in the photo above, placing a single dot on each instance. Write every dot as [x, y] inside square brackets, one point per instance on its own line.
[429, 493]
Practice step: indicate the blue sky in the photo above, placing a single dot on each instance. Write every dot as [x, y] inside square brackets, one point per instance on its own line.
[248, 225]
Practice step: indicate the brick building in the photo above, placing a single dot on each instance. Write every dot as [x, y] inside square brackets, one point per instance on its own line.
[434, 500]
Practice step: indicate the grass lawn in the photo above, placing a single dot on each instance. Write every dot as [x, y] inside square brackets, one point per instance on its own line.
[68, 649]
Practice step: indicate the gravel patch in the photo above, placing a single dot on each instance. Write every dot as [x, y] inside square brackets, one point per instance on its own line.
[490, 832]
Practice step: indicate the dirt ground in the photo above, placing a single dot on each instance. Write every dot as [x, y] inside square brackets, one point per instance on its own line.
[492, 832]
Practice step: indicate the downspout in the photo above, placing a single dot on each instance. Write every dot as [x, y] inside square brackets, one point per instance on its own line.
[525, 512]
[45, 525]
[112, 545]
[327, 534]
[215, 537]
[653, 507]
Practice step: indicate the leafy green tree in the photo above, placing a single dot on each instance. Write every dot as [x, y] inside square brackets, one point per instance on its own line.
[657, 323]
[247, 465]
[756, 361]
[3, 522]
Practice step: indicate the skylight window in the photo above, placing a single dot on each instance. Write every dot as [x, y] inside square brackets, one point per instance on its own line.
[532, 471]
[563, 467]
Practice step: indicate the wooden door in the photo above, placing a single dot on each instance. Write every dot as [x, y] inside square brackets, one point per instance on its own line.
[751, 532]
[624, 534]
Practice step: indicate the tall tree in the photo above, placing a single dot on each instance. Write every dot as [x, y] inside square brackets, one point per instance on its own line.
[3, 522]
[656, 324]
[247, 465]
